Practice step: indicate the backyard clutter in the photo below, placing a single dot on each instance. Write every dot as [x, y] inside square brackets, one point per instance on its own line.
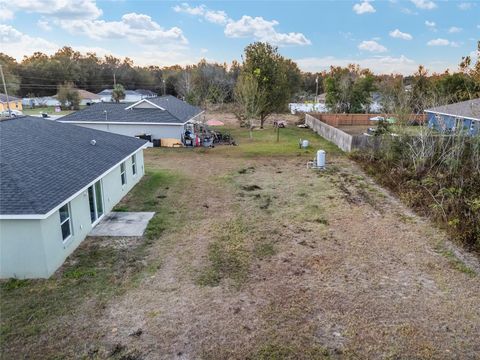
[215, 123]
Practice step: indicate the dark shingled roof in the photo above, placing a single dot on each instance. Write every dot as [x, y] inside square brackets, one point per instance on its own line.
[116, 113]
[469, 109]
[44, 162]
[178, 108]
[3, 98]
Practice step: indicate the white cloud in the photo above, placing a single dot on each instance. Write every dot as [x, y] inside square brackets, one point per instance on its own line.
[454, 30]
[5, 12]
[378, 64]
[400, 35]
[364, 8]
[17, 44]
[431, 25]
[424, 4]
[246, 26]
[263, 30]
[465, 6]
[44, 25]
[217, 17]
[372, 46]
[62, 9]
[137, 28]
[442, 42]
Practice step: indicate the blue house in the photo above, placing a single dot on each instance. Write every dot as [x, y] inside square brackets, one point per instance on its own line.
[461, 116]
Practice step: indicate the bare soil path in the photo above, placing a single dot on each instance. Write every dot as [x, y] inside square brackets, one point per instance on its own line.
[343, 270]
[256, 257]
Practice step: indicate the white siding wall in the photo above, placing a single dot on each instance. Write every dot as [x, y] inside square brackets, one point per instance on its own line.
[157, 131]
[35, 249]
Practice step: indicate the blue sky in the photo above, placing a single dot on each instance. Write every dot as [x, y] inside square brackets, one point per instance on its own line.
[386, 36]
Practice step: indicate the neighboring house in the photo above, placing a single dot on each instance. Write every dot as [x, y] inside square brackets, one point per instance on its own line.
[15, 103]
[463, 115]
[162, 117]
[146, 93]
[56, 182]
[48, 101]
[130, 96]
[86, 97]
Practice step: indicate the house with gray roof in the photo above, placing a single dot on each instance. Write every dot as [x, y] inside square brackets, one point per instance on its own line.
[130, 95]
[164, 117]
[56, 182]
[460, 116]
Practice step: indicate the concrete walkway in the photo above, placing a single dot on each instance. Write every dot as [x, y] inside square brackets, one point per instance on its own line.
[122, 224]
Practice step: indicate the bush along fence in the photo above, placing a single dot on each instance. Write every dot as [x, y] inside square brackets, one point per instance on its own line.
[438, 176]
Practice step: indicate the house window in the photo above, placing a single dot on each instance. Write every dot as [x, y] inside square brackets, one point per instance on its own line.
[123, 173]
[65, 221]
[95, 200]
[134, 164]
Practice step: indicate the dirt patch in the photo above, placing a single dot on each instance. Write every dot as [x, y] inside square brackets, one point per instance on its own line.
[312, 275]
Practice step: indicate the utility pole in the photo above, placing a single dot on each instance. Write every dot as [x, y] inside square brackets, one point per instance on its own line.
[6, 92]
[316, 89]
[114, 80]
[164, 88]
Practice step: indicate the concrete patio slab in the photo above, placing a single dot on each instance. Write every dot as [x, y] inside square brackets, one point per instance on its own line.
[122, 224]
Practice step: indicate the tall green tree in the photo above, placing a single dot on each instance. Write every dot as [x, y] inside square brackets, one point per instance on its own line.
[250, 100]
[118, 93]
[67, 94]
[277, 77]
[348, 90]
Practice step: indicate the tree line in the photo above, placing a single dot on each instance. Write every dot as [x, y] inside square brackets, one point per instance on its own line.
[277, 81]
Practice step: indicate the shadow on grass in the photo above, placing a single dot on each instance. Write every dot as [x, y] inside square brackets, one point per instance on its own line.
[99, 269]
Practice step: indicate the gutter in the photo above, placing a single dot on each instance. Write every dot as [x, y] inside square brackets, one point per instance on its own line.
[455, 116]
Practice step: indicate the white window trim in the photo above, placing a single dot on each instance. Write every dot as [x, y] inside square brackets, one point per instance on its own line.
[134, 165]
[95, 197]
[124, 172]
[70, 225]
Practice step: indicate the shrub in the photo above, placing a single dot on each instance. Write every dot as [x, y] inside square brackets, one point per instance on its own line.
[437, 175]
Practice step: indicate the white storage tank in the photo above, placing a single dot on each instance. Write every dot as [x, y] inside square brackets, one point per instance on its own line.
[321, 158]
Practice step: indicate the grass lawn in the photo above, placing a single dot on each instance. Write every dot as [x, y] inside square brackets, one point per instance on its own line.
[264, 142]
[48, 109]
[98, 270]
[252, 256]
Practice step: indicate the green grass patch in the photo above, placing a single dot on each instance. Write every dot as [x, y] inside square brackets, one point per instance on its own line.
[96, 271]
[264, 143]
[228, 256]
[47, 109]
[455, 261]
[264, 249]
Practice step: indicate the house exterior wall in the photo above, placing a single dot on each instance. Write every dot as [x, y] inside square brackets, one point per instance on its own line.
[447, 123]
[14, 105]
[157, 131]
[35, 248]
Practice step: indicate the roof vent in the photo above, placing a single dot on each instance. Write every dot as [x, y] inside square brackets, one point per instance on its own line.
[93, 142]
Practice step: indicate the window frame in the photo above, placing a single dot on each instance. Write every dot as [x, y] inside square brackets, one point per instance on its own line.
[134, 165]
[69, 219]
[123, 173]
[95, 202]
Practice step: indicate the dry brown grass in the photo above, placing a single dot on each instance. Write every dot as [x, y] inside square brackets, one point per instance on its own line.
[334, 267]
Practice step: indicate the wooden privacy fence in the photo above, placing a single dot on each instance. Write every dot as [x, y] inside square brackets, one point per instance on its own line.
[344, 141]
[359, 119]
